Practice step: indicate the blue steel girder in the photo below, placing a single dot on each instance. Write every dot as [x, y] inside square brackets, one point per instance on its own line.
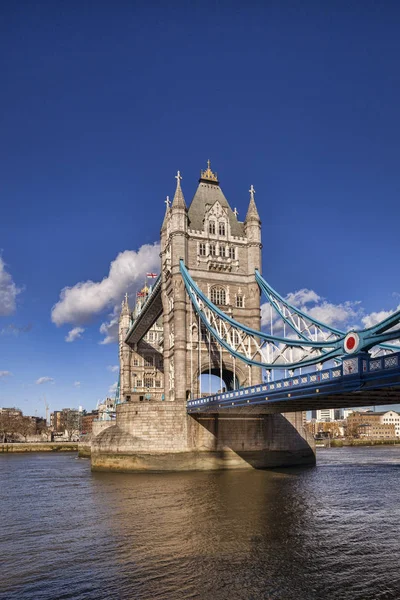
[281, 305]
[252, 346]
[359, 381]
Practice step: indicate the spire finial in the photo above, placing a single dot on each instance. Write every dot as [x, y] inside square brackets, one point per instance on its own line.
[179, 200]
[236, 212]
[252, 212]
[126, 297]
[167, 201]
[208, 175]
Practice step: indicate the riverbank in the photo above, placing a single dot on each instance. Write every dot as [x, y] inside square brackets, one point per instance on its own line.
[39, 447]
[345, 443]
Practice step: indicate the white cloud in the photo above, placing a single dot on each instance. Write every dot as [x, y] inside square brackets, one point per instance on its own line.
[302, 297]
[112, 390]
[375, 317]
[74, 334]
[42, 380]
[113, 368]
[5, 373]
[8, 291]
[334, 314]
[79, 303]
[77, 384]
[308, 301]
[110, 328]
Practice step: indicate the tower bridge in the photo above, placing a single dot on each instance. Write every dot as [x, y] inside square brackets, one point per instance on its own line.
[202, 316]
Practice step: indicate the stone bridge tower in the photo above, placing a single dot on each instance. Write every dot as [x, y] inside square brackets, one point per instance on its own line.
[153, 431]
[221, 254]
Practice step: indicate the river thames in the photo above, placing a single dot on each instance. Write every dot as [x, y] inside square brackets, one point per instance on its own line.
[329, 532]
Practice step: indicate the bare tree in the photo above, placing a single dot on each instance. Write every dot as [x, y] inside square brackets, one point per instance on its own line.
[25, 427]
[71, 423]
[44, 430]
[8, 424]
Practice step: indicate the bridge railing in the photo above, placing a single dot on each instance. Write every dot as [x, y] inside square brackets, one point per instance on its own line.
[354, 366]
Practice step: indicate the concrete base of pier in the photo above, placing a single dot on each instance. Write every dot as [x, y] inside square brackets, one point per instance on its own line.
[160, 436]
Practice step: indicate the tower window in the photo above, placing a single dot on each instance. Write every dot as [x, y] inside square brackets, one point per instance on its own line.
[138, 383]
[135, 362]
[158, 383]
[221, 229]
[239, 301]
[218, 296]
[148, 382]
[202, 249]
[232, 253]
[212, 250]
[222, 250]
[211, 227]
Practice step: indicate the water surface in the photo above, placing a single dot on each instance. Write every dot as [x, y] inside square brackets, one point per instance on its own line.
[293, 534]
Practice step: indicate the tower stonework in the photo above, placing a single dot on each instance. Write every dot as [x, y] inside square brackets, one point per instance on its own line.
[221, 253]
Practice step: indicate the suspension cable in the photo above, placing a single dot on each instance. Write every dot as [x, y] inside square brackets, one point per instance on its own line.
[191, 352]
[199, 357]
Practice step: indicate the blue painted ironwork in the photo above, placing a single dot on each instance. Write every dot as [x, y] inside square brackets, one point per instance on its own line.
[357, 373]
[314, 351]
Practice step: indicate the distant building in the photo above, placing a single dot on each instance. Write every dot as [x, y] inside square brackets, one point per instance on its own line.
[323, 415]
[106, 409]
[11, 412]
[378, 422]
[377, 431]
[87, 421]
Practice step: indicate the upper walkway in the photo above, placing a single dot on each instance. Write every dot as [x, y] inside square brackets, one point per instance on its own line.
[151, 310]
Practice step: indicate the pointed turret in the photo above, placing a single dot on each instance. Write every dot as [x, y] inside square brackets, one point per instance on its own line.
[179, 200]
[167, 213]
[125, 307]
[252, 228]
[252, 212]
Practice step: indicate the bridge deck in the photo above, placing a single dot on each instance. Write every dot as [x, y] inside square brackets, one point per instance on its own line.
[360, 381]
[151, 311]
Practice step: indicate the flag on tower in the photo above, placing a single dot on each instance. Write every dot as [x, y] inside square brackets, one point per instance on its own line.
[151, 275]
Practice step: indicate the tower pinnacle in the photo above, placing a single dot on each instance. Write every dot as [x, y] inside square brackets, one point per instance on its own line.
[252, 212]
[179, 200]
[208, 175]
[167, 202]
[125, 306]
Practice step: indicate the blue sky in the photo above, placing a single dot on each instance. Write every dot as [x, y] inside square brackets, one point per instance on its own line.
[102, 103]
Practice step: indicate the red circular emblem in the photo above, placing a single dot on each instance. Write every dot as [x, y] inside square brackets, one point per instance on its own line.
[351, 342]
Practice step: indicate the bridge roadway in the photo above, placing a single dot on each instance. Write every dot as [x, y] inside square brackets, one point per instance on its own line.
[359, 381]
[151, 310]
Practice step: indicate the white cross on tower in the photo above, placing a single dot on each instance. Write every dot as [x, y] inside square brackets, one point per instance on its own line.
[236, 212]
[252, 191]
[178, 176]
[167, 201]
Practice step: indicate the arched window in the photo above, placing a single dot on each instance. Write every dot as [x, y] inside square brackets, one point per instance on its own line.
[239, 301]
[221, 229]
[211, 227]
[218, 296]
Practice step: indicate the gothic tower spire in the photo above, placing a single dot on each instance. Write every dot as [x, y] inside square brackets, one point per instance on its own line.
[167, 213]
[179, 200]
[252, 212]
